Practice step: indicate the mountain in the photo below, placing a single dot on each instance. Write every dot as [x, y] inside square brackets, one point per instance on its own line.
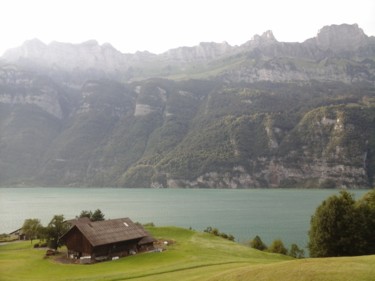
[262, 114]
[341, 38]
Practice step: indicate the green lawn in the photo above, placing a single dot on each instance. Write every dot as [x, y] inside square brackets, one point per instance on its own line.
[193, 256]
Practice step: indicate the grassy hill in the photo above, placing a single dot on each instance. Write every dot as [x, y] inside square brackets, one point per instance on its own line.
[192, 256]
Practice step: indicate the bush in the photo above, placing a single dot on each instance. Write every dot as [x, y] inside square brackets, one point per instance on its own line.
[296, 252]
[278, 247]
[216, 232]
[258, 244]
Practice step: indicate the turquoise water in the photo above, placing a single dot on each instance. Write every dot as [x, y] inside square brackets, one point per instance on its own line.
[269, 213]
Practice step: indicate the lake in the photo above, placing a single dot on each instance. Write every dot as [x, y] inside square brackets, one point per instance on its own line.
[270, 213]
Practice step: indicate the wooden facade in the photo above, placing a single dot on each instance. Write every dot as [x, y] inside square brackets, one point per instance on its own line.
[77, 243]
[106, 239]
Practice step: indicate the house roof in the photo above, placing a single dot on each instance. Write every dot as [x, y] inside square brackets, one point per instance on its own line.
[109, 231]
[17, 231]
[78, 221]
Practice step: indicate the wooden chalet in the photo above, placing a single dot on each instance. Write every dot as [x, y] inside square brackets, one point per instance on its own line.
[106, 239]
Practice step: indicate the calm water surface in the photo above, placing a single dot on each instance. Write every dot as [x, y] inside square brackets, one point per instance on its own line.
[269, 213]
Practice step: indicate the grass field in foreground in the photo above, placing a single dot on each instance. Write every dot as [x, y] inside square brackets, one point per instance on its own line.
[193, 256]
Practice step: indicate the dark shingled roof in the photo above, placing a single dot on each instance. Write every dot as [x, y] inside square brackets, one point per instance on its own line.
[110, 231]
[78, 220]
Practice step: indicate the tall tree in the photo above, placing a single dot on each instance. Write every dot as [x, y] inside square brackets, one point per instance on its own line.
[85, 214]
[333, 227]
[366, 221]
[32, 228]
[55, 229]
[97, 215]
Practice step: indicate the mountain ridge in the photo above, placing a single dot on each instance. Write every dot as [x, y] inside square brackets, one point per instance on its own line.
[105, 57]
[263, 114]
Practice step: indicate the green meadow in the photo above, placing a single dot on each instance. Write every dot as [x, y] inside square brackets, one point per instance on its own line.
[192, 256]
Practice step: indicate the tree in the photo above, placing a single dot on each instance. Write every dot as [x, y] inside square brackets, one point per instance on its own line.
[55, 229]
[278, 247]
[208, 229]
[85, 214]
[97, 215]
[32, 228]
[296, 252]
[343, 227]
[333, 227]
[368, 199]
[215, 231]
[212, 230]
[366, 220]
[258, 244]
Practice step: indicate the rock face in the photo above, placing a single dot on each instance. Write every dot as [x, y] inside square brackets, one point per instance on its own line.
[263, 114]
[88, 57]
[203, 52]
[19, 88]
[266, 39]
[339, 38]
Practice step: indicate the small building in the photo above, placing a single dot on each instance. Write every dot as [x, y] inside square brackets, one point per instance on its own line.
[18, 235]
[108, 239]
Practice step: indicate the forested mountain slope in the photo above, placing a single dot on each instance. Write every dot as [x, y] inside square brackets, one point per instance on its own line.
[263, 114]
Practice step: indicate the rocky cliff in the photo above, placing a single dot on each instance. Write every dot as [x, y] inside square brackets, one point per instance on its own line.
[340, 38]
[336, 53]
[263, 114]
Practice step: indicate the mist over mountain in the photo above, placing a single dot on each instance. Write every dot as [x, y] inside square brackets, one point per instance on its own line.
[262, 114]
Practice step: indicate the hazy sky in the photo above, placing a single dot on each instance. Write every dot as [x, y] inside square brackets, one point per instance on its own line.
[159, 25]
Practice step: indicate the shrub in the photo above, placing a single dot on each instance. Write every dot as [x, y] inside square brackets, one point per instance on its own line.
[296, 252]
[278, 247]
[216, 232]
[258, 244]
